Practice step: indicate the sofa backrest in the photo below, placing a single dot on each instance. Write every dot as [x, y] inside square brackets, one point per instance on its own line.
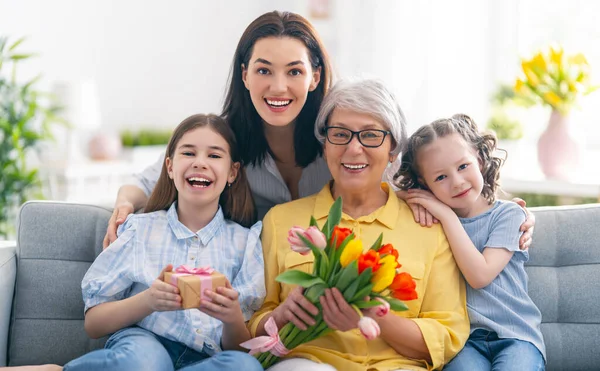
[56, 244]
[564, 282]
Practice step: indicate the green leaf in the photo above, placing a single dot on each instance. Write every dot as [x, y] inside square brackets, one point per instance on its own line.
[320, 257]
[295, 277]
[16, 57]
[395, 304]
[351, 291]
[313, 222]
[365, 276]
[361, 293]
[314, 292]
[348, 275]
[367, 304]
[377, 244]
[16, 43]
[334, 217]
[340, 250]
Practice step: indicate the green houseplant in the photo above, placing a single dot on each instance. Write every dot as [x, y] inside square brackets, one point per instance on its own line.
[26, 116]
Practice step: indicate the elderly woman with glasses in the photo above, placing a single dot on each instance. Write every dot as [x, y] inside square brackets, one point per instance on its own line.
[363, 130]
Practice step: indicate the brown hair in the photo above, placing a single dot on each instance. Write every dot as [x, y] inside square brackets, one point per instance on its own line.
[235, 200]
[241, 113]
[484, 145]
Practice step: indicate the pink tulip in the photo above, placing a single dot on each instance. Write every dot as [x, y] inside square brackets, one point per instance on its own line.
[382, 309]
[313, 234]
[368, 328]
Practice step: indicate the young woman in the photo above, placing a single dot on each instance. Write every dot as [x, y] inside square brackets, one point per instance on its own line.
[279, 76]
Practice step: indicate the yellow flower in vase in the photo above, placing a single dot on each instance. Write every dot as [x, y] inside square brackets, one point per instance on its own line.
[554, 79]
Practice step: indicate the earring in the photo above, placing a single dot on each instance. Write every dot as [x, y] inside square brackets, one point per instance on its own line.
[228, 185]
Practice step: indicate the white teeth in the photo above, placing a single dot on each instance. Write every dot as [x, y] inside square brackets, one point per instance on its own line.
[355, 167]
[278, 103]
[195, 179]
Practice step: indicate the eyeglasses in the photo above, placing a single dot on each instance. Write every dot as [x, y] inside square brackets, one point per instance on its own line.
[370, 138]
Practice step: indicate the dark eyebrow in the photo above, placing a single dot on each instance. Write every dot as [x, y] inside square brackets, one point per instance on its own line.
[214, 148]
[186, 146]
[264, 61]
[217, 148]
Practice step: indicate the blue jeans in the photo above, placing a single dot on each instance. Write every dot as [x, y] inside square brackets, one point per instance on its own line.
[486, 351]
[134, 348]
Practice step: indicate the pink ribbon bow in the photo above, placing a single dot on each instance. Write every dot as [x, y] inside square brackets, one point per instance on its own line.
[270, 343]
[189, 270]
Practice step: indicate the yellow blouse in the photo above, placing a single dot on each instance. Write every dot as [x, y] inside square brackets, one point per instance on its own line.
[440, 311]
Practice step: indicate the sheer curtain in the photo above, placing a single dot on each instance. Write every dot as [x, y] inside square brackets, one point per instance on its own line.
[443, 57]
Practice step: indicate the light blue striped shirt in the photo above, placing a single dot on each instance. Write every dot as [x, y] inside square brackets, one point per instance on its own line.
[266, 183]
[149, 242]
[504, 305]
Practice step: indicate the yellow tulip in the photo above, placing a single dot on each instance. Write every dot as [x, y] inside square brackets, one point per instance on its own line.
[520, 87]
[385, 274]
[556, 56]
[552, 98]
[351, 252]
[538, 64]
[572, 86]
[578, 59]
[531, 76]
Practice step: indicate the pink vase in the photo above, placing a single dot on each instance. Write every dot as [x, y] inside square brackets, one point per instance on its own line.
[558, 151]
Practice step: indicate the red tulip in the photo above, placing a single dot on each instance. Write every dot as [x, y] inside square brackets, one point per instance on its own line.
[368, 259]
[403, 287]
[340, 234]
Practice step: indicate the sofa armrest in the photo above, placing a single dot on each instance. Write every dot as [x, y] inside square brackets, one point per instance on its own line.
[8, 272]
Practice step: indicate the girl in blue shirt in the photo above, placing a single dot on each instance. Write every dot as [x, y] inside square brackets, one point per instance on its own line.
[198, 215]
[451, 169]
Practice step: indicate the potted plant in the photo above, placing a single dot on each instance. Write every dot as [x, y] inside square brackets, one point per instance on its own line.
[144, 146]
[26, 116]
[556, 80]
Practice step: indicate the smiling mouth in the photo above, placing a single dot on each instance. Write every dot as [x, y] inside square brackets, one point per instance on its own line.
[354, 167]
[278, 103]
[462, 193]
[199, 182]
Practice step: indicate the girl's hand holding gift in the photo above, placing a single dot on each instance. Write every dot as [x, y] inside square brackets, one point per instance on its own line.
[161, 296]
[223, 304]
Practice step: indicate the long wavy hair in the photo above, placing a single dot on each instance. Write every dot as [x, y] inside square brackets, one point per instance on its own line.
[238, 108]
[484, 145]
[235, 200]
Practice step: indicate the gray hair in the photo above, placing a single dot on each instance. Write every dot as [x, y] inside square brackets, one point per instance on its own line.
[366, 96]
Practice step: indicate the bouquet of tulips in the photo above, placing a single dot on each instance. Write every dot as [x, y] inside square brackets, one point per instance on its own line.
[366, 279]
[554, 79]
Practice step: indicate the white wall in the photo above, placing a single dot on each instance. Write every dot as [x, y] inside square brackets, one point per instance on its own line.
[156, 62]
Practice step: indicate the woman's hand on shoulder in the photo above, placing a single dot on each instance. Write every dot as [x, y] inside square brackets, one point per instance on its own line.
[296, 309]
[426, 199]
[120, 213]
[527, 226]
[223, 305]
[422, 216]
[162, 296]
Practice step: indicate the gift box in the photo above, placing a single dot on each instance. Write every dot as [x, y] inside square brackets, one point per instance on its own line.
[192, 282]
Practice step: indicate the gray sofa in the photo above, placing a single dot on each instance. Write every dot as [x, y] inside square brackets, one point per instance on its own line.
[57, 242]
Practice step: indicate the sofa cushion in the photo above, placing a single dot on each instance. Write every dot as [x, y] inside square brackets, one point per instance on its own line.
[564, 282]
[56, 244]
